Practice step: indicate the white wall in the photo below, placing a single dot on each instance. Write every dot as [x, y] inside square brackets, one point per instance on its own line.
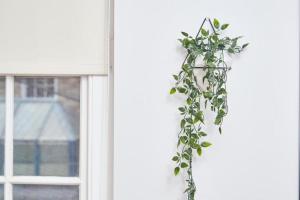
[256, 157]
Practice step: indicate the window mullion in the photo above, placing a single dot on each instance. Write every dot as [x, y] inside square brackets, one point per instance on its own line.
[9, 117]
[83, 137]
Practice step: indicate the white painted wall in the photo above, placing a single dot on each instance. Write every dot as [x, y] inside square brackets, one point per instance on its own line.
[257, 156]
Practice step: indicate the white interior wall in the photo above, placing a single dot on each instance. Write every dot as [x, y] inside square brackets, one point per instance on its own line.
[256, 158]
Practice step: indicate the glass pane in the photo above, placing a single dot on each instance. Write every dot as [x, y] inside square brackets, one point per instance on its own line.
[36, 192]
[1, 192]
[2, 123]
[46, 127]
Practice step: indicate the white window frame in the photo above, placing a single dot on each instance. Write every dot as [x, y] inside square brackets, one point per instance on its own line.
[94, 143]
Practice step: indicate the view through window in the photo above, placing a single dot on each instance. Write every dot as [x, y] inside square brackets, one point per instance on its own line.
[45, 138]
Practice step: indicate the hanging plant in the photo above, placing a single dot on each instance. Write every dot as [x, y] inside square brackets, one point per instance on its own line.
[209, 49]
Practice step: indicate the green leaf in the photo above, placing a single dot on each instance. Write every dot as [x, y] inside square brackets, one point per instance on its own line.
[204, 32]
[218, 120]
[221, 91]
[185, 67]
[183, 139]
[175, 158]
[185, 34]
[189, 101]
[176, 171]
[208, 95]
[185, 42]
[224, 26]
[220, 130]
[199, 116]
[181, 109]
[202, 134]
[186, 156]
[199, 151]
[173, 91]
[184, 165]
[215, 38]
[221, 113]
[189, 120]
[230, 50]
[182, 123]
[175, 77]
[234, 43]
[205, 144]
[186, 190]
[216, 23]
[181, 90]
[245, 45]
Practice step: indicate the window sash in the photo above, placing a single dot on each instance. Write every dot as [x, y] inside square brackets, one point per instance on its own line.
[95, 171]
[9, 179]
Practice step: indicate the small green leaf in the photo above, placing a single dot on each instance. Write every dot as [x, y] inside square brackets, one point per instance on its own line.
[183, 139]
[221, 91]
[216, 23]
[224, 26]
[182, 123]
[199, 117]
[185, 42]
[185, 34]
[176, 171]
[208, 95]
[230, 50]
[189, 101]
[218, 120]
[175, 158]
[185, 67]
[204, 32]
[181, 109]
[175, 77]
[245, 45]
[205, 144]
[173, 91]
[186, 190]
[189, 120]
[186, 156]
[221, 113]
[199, 151]
[184, 165]
[215, 38]
[202, 134]
[181, 90]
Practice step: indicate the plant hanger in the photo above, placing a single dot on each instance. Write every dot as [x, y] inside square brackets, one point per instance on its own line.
[213, 28]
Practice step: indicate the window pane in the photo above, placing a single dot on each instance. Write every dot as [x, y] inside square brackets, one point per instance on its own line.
[36, 192]
[1, 192]
[2, 122]
[46, 130]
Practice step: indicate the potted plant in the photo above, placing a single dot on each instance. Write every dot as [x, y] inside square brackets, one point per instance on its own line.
[209, 48]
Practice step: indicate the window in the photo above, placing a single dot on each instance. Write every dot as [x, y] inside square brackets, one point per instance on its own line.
[53, 100]
[47, 144]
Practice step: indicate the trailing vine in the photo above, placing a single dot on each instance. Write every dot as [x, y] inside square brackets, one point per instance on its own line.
[210, 48]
